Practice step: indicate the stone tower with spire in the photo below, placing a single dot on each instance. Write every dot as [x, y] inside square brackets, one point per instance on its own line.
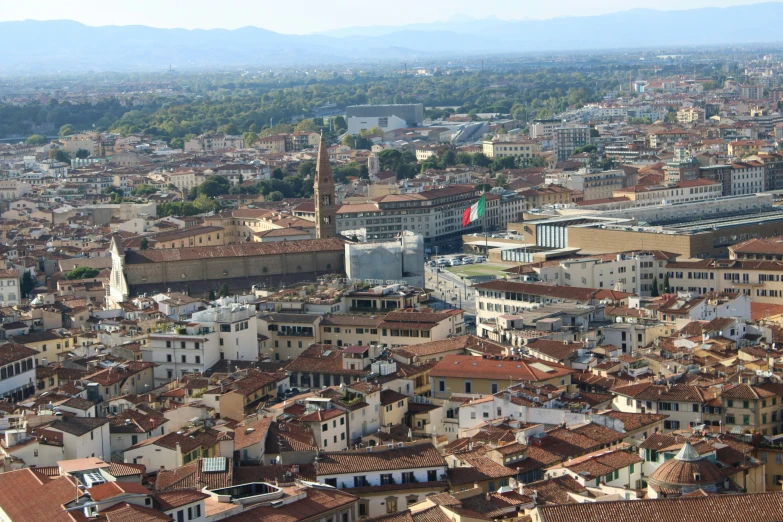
[325, 207]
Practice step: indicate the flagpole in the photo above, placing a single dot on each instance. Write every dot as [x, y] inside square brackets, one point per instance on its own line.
[484, 219]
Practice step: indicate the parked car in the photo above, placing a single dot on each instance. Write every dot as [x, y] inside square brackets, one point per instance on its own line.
[467, 261]
[480, 259]
[456, 262]
[443, 261]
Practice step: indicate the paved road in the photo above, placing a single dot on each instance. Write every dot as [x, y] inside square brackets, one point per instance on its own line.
[450, 289]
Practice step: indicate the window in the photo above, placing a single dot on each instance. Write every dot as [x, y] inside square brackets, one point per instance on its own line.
[391, 505]
[432, 474]
[364, 508]
[386, 479]
[331, 482]
[407, 477]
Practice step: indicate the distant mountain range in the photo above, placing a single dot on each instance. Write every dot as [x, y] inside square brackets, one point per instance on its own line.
[33, 46]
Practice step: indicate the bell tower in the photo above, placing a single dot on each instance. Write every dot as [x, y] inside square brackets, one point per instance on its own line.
[325, 207]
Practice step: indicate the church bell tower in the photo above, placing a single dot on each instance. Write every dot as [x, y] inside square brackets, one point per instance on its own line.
[325, 207]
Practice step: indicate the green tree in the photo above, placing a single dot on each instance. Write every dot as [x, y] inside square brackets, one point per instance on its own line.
[36, 140]
[28, 283]
[224, 292]
[144, 244]
[204, 204]
[279, 174]
[666, 288]
[82, 153]
[306, 126]
[654, 291]
[66, 130]
[484, 187]
[59, 155]
[448, 159]
[339, 124]
[214, 186]
[500, 180]
[275, 195]
[503, 163]
[481, 160]
[211, 295]
[250, 138]
[306, 168]
[143, 190]
[81, 272]
[465, 158]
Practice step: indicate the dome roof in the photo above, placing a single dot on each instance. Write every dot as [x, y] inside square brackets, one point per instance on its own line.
[688, 469]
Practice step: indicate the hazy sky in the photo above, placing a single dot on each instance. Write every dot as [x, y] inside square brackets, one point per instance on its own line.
[306, 16]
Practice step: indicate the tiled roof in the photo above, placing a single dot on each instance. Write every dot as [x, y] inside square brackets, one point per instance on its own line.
[561, 292]
[487, 467]
[317, 501]
[78, 425]
[168, 500]
[235, 250]
[26, 496]
[115, 489]
[764, 507]
[12, 352]
[520, 369]
[635, 421]
[192, 476]
[556, 490]
[409, 457]
[251, 433]
[126, 512]
[321, 359]
[598, 465]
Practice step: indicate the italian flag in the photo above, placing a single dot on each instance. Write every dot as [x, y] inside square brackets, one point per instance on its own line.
[473, 212]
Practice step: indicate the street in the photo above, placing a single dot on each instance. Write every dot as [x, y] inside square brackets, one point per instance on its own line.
[449, 290]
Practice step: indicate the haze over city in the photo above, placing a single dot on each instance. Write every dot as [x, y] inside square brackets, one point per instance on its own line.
[314, 17]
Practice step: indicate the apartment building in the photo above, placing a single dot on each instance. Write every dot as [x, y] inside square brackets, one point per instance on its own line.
[435, 214]
[632, 272]
[537, 197]
[290, 334]
[691, 115]
[10, 291]
[210, 335]
[753, 408]
[593, 183]
[544, 128]
[666, 139]
[761, 281]
[503, 297]
[526, 149]
[488, 375]
[17, 371]
[685, 405]
[567, 139]
[214, 142]
[747, 178]
[408, 327]
[386, 480]
[680, 192]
